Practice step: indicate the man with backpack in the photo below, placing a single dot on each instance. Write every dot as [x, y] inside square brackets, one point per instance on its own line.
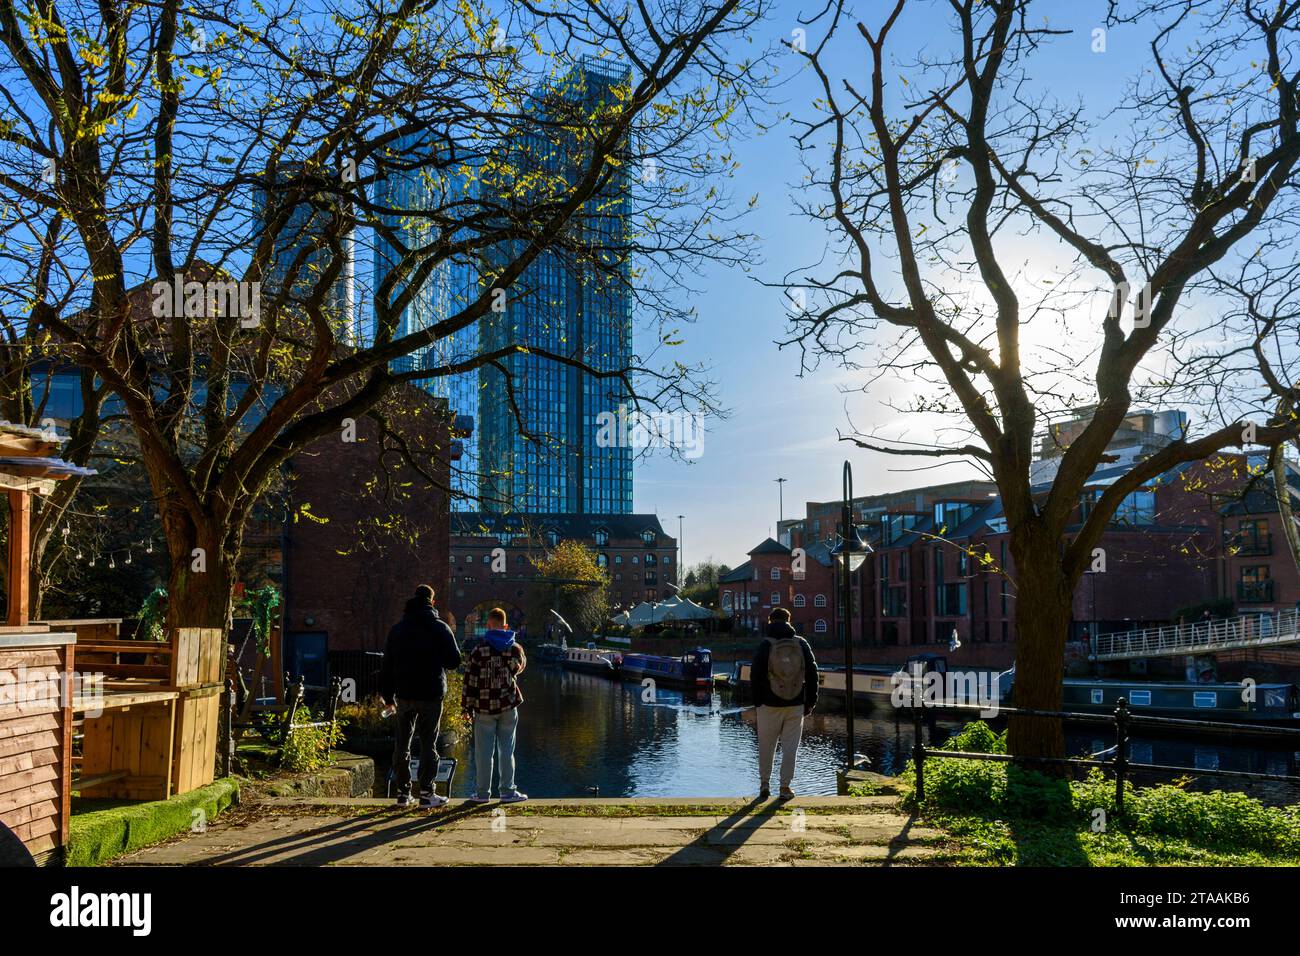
[491, 699]
[783, 676]
[413, 682]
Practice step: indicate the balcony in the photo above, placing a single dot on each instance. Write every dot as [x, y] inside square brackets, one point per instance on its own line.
[1254, 592]
[1254, 545]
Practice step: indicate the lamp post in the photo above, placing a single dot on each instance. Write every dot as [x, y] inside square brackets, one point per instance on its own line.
[780, 497]
[850, 552]
[681, 551]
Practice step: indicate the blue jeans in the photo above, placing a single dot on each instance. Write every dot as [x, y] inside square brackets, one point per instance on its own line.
[495, 732]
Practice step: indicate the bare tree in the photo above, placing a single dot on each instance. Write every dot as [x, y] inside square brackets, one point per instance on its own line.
[243, 153]
[944, 174]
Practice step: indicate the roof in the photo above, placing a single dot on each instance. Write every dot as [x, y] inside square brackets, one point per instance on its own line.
[743, 573]
[577, 526]
[770, 546]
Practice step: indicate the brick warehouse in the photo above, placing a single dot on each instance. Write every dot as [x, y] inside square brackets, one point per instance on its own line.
[1191, 537]
[640, 558]
[364, 529]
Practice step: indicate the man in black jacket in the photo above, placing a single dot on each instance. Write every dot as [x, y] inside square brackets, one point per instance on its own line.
[783, 676]
[412, 682]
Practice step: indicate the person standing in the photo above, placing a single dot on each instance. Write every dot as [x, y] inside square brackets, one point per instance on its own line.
[413, 682]
[783, 675]
[491, 699]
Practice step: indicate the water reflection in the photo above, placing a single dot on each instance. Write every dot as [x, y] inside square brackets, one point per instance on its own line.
[582, 735]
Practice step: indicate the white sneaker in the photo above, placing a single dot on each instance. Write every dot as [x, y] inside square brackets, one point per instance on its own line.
[432, 800]
[513, 796]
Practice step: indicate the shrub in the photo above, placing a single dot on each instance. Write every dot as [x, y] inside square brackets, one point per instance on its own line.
[307, 748]
[1001, 791]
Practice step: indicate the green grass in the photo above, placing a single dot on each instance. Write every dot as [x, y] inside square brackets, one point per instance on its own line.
[1000, 814]
[100, 830]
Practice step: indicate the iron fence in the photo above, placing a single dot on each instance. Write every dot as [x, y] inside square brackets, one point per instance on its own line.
[1122, 767]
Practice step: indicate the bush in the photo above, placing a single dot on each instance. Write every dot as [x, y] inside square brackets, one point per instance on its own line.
[1001, 791]
[307, 748]
[366, 719]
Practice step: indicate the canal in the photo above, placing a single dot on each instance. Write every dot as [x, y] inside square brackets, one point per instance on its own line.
[581, 735]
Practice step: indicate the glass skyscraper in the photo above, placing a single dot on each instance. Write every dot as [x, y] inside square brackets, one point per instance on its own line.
[303, 227]
[565, 306]
[448, 288]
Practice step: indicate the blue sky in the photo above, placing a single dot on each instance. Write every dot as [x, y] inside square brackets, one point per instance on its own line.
[783, 425]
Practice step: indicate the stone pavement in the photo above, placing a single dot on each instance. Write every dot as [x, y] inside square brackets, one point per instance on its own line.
[342, 831]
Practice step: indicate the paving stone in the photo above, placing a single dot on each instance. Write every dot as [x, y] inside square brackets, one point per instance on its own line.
[317, 832]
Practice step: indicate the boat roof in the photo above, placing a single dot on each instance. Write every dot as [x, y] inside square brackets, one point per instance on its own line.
[1111, 682]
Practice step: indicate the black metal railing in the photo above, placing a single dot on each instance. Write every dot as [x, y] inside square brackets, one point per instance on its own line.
[1121, 766]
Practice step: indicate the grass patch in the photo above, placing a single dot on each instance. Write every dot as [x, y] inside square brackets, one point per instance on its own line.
[100, 830]
[1003, 814]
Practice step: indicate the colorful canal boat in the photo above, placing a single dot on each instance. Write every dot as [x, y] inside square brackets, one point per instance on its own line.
[693, 669]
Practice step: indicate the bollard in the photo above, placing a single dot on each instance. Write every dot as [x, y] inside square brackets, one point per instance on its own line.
[1121, 751]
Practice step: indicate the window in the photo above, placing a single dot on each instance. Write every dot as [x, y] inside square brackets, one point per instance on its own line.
[1205, 698]
[776, 574]
[1097, 695]
[648, 537]
[1253, 537]
[1137, 508]
[776, 598]
[602, 560]
[1140, 698]
[726, 600]
[453, 559]
[650, 561]
[1254, 585]
[602, 537]
[553, 538]
[618, 559]
[820, 626]
[819, 600]
[667, 559]
[487, 559]
[800, 600]
[635, 559]
[618, 575]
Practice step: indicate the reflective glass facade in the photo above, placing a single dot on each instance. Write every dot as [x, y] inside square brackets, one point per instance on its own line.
[564, 306]
[447, 290]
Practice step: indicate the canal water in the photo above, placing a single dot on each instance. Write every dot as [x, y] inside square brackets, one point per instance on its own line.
[581, 735]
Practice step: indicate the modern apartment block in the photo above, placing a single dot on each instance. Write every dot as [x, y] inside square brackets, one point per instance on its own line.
[563, 305]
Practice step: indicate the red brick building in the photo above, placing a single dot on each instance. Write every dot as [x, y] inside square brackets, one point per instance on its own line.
[941, 564]
[776, 576]
[492, 559]
[364, 528]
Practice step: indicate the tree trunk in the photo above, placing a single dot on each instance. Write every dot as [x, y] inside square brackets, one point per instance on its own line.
[1044, 603]
[201, 585]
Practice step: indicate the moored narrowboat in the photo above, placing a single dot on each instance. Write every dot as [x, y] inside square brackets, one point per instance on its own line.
[1233, 703]
[693, 669]
[592, 660]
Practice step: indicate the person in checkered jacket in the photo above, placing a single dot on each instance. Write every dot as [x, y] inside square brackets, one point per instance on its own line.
[491, 699]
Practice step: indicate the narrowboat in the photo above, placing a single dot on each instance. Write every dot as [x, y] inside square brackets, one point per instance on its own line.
[551, 653]
[870, 682]
[592, 660]
[1232, 703]
[694, 669]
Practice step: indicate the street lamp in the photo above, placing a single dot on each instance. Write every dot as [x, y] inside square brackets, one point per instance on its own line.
[850, 552]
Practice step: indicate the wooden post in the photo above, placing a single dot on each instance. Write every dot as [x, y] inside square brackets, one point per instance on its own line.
[20, 557]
